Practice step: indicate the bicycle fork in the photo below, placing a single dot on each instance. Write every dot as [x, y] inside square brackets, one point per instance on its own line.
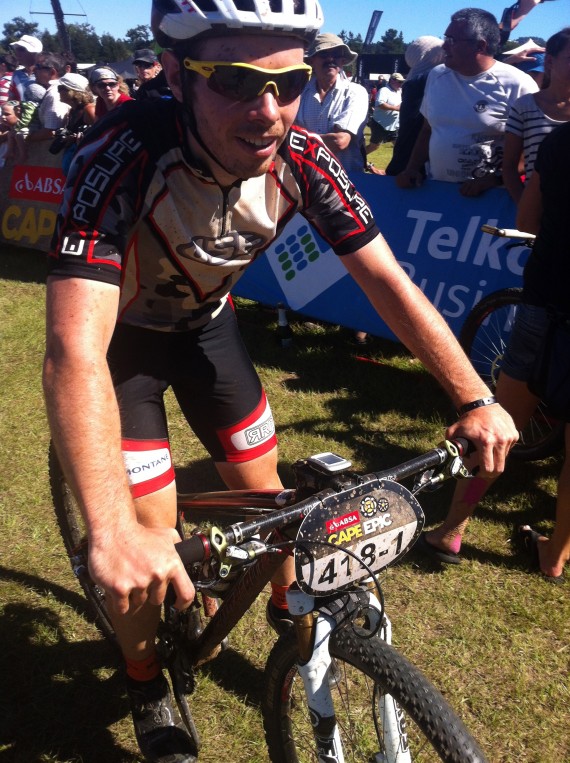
[319, 675]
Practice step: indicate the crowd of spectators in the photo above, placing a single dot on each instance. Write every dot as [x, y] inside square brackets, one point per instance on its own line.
[464, 114]
[470, 115]
[46, 101]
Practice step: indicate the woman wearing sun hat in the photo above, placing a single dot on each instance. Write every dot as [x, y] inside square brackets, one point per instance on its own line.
[74, 91]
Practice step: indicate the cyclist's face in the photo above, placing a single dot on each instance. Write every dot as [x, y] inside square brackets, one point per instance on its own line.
[243, 135]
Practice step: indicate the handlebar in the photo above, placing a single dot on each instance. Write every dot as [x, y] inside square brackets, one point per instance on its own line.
[194, 549]
[200, 547]
[508, 233]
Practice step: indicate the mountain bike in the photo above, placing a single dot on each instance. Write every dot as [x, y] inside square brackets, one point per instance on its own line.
[336, 690]
[484, 336]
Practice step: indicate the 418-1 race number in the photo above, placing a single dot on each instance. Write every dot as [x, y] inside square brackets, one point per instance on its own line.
[376, 524]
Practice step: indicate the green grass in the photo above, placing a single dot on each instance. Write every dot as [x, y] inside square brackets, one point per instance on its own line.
[491, 635]
[381, 157]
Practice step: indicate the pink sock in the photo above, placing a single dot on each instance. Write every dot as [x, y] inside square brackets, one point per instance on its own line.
[455, 544]
[476, 489]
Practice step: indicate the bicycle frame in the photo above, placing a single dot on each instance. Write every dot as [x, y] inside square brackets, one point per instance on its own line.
[313, 634]
[336, 614]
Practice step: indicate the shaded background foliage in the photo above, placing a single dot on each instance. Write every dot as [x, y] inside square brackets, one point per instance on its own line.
[89, 46]
[86, 45]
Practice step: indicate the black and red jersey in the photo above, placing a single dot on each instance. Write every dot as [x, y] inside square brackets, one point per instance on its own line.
[138, 212]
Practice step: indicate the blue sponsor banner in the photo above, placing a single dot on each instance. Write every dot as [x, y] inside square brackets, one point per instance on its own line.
[436, 236]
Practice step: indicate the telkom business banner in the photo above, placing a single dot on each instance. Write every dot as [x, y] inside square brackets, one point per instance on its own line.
[436, 236]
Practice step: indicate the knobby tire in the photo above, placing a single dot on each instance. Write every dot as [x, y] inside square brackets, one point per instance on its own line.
[361, 664]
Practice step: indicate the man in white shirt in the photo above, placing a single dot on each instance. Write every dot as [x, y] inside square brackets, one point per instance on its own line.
[386, 115]
[332, 105]
[465, 108]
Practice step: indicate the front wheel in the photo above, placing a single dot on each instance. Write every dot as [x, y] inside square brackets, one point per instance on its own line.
[365, 670]
[484, 336]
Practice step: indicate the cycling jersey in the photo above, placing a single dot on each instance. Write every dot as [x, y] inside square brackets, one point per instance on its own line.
[139, 212]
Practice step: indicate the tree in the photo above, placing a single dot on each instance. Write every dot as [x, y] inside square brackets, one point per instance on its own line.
[85, 44]
[111, 49]
[51, 42]
[353, 42]
[391, 42]
[139, 37]
[13, 30]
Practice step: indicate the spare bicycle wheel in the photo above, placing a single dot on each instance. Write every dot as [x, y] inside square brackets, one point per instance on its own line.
[484, 336]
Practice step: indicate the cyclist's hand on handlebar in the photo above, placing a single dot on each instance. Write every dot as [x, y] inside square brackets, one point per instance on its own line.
[138, 566]
[492, 432]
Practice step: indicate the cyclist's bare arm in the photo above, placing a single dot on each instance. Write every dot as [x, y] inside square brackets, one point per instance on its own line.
[132, 563]
[421, 328]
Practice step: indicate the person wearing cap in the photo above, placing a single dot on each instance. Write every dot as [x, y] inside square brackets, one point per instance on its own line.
[52, 112]
[465, 107]
[74, 91]
[109, 89]
[533, 65]
[386, 114]
[26, 50]
[332, 105]
[167, 202]
[152, 80]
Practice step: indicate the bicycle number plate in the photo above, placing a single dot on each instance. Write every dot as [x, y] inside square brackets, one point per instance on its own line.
[377, 524]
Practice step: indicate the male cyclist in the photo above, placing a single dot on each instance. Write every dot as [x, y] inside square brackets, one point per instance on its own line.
[167, 202]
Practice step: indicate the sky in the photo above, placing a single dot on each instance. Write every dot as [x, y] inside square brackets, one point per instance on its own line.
[411, 17]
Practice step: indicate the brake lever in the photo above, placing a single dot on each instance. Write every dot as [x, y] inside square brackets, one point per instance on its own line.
[453, 469]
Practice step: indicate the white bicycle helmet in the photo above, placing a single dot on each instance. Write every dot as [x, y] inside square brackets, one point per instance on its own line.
[177, 21]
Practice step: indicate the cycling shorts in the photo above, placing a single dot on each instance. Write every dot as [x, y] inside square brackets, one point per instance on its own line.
[214, 382]
[525, 341]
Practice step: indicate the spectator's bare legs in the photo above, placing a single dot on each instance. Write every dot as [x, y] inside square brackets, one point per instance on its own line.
[553, 553]
[516, 398]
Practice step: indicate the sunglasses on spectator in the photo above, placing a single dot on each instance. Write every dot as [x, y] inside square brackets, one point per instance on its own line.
[453, 40]
[110, 85]
[326, 54]
[144, 64]
[245, 82]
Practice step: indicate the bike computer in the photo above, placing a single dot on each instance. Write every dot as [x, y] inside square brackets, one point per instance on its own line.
[329, 462]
